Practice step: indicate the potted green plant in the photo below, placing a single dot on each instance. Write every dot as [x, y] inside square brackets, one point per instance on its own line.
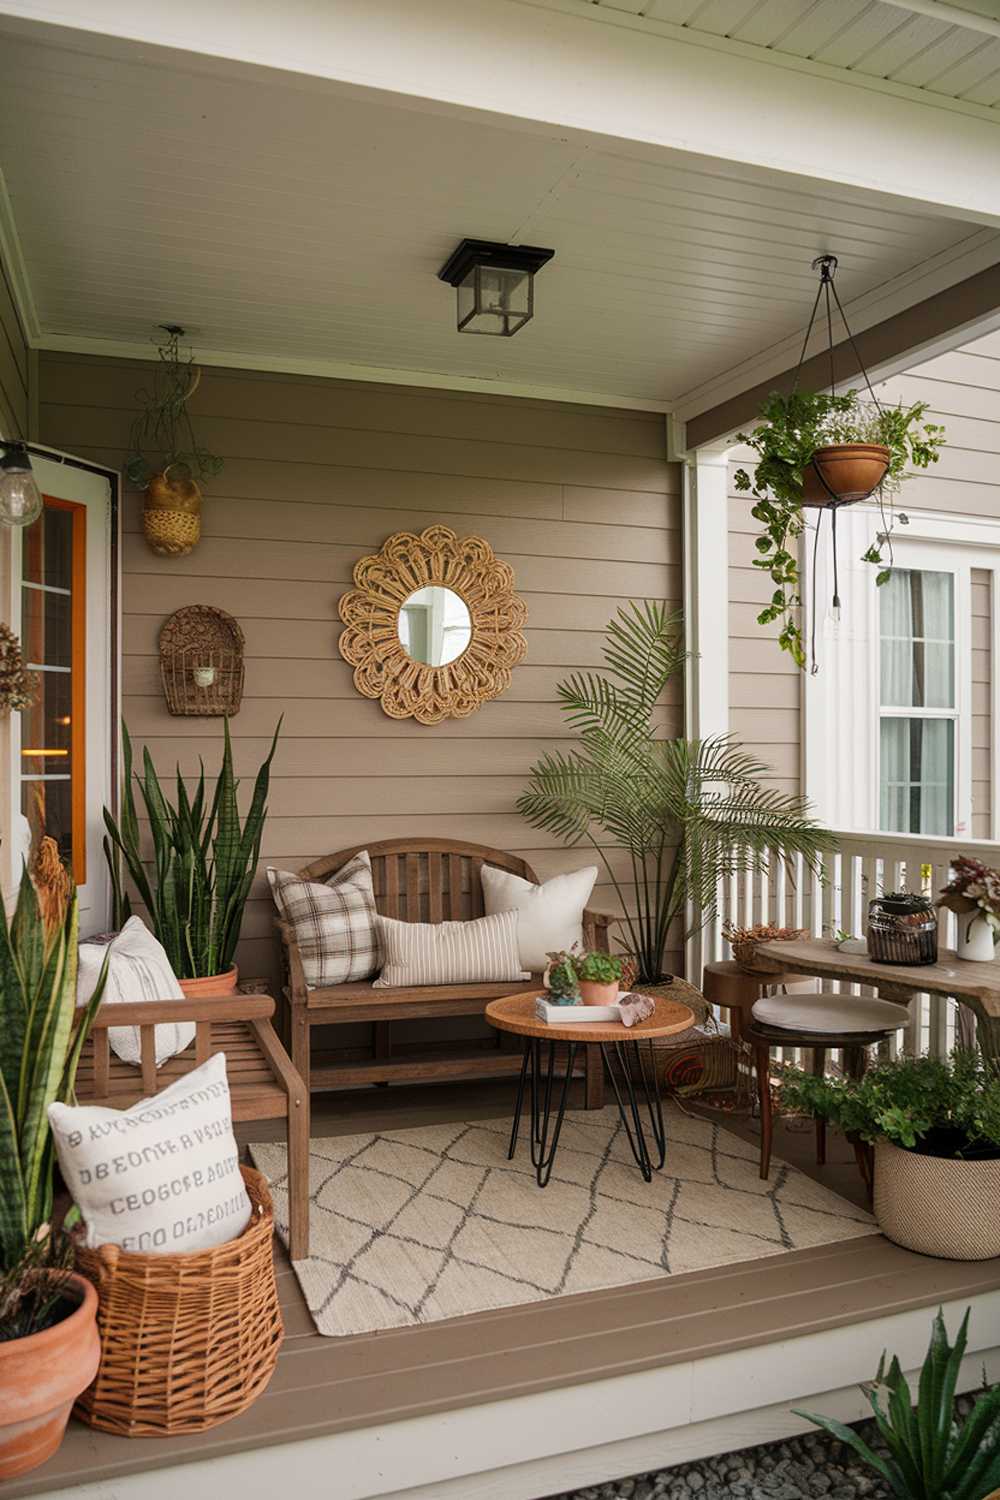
[934, 1125]
[195, 888]
[49, 1347]
[973, 894]
[165, 459]
[686, 813]
[599, 976]
[560, 979]
[817, 449]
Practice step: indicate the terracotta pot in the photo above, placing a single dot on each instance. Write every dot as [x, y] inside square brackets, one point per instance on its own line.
[851, 470]
[211, 985]
[593, 992]
[40, 1378]
[937, 1205]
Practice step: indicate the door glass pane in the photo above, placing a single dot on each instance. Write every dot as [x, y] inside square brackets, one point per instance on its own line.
[917, 776]
[917, 629]
[48, 549]
[46, 628]
[53, 647]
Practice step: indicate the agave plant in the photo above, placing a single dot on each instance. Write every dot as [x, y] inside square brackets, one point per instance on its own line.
[688, 812]
[195, 887]
[929, 1457]
[41, 1037]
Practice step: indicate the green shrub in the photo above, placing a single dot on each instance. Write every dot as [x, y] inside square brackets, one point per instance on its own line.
[943, 1107]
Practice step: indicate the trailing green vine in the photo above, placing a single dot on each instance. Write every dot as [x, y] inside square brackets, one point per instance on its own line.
[790, 431]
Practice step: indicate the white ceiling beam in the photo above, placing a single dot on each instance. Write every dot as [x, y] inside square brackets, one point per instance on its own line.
[623, 79]
[950, 15]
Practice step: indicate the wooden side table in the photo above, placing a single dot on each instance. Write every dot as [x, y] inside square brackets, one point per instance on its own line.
[628, 1056]
[730, 986]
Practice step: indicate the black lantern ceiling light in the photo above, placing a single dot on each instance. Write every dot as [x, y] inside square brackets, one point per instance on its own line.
[821, 450]
[20, 497]
[495, 285]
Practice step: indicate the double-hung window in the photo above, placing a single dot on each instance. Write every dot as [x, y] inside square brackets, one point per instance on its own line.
[918, 704]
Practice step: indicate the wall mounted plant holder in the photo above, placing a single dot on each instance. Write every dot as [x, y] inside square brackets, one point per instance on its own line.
[201, 662]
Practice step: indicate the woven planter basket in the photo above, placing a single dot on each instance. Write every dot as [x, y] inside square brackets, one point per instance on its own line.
[699, 1061]
[938, 1206]
[187, 1341]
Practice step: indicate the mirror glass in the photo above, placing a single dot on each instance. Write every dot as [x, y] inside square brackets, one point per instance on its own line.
[434, 625]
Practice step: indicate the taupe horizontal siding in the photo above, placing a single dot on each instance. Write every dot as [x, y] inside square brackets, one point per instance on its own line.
[13, 366]
[579, 501]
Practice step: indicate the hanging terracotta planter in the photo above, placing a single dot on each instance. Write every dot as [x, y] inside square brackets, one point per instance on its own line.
[843, 473]
[171, 516]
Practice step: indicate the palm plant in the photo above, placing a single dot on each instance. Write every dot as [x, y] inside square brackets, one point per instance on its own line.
[928, 1456]
[41, 1037]
[688, 812]
[203, 861]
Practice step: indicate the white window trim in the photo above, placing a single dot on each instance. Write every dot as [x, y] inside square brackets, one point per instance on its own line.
[842, 700]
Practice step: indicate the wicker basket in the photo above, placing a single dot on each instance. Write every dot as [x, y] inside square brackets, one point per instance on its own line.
[187, 1341]
[201, 662]
[699, 1061]
[936, 1205]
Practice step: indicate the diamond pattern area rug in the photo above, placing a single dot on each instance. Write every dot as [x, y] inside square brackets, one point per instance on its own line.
[410, 1226]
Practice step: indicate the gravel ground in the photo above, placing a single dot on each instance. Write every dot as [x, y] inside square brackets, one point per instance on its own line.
[811, 1467]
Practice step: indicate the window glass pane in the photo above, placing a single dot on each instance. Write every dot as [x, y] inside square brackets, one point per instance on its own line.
[46, 628]
[917, 776]
[917, 628]
[48, 549]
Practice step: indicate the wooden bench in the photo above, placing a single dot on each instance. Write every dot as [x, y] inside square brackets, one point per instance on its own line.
[416, 880]
[263, 1084]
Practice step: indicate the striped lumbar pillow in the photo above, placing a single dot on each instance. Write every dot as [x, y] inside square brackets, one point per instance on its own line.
[480, 952]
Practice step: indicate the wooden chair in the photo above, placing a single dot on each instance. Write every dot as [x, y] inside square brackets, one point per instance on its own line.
[263, 1084]
[416, 880]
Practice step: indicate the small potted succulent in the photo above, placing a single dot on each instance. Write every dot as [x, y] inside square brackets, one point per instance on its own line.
[599, 976]
[973, 894]
[560, 979]
[815, 450]
[934, 1126]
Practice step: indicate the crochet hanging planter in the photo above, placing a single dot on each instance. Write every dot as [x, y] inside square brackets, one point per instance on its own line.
[18, 687]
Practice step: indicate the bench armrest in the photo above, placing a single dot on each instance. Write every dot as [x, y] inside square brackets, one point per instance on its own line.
[156, 1012]
[595, 929]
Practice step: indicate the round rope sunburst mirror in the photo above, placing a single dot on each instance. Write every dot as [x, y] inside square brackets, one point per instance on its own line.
[433, 626]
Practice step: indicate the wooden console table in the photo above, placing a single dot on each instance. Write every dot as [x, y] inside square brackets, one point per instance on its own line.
[975, 985]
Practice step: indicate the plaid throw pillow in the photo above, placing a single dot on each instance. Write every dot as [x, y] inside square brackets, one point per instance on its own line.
[333, 922]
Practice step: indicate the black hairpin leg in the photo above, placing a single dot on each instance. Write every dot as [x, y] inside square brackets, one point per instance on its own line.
[545, 1128]
[628, 1063]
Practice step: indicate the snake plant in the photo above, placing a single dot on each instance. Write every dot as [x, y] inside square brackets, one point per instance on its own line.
[929, 1457]
[196, 885]
[41, 1038]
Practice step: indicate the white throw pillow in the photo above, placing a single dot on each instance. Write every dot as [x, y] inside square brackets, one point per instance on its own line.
[480, 952]
[550, 914]
[333, 921]
[162, 1177]
[138, 969]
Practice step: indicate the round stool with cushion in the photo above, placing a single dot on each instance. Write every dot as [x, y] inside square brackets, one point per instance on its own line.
[821, 1021]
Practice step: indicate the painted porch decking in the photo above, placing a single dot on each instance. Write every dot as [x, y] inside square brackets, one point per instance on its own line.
[323, 1387]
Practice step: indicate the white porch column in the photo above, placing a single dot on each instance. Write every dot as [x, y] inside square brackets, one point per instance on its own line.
[706, 594]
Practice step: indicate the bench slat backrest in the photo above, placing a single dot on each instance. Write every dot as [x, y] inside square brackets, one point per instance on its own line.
[425, 880]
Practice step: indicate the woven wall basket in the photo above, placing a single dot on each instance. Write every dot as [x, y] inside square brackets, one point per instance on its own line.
[187, 1341]
[201, 662]
[938, 1206]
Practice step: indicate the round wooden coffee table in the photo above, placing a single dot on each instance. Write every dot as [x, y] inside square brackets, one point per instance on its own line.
[628, 1057]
